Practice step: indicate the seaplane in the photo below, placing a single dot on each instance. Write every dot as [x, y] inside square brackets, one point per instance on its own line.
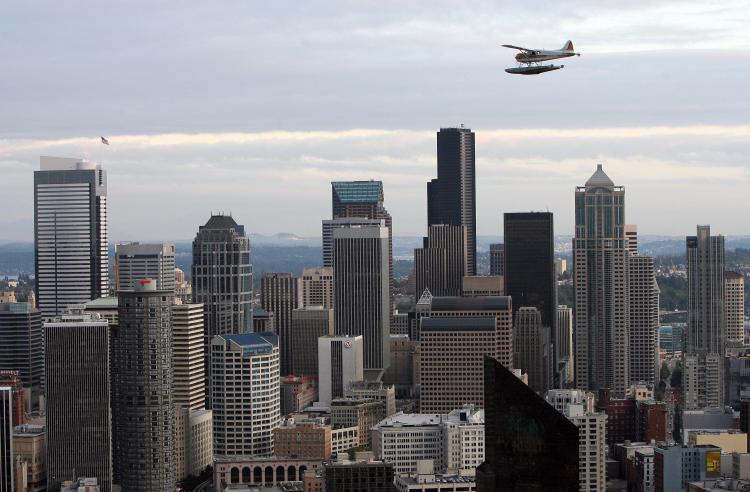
[530, 61]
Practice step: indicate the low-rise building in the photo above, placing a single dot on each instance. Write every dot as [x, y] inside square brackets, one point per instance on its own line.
[297, 393]
[426, 480]
[344, 439]
[674, 466]
[260, 472]
[375, 390]
[361, 475]
[309, 439]
[29, 454]
[730, 441]
[363, 413]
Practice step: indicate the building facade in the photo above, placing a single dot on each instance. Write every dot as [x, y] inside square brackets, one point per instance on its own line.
[340, 362]
[564, 346]
[307, 325]
[317, 287]
[70, 233]
[600, 274]
[281, 294]
[643, 333]
[533, 348]
[441, 263]
[7, 466]
[136, 261]
[734, 307]
[188, 355]
[497, 259]
[22, 342]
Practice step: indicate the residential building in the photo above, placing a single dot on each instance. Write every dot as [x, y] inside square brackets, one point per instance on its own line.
[307, 325]
[592, 453]
[143, 428]
[317, 287]
[183, 289]
[281, 294]
[362, 292]
[703, 365]
[22, 347]
[70, 233]
[188, 355]
[78, 416]
[600, 274]
[631, 235]
[451, 197]
[497, 259]
[533, 348]
[643, 333]
[340, 362]
[135, 261]
[245, 375]
[734, 307]
[441, 263]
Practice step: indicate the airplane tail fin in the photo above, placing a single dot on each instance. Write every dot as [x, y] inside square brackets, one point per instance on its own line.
[568, 46]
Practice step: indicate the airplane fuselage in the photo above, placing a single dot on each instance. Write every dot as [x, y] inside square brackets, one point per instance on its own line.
[541, 55]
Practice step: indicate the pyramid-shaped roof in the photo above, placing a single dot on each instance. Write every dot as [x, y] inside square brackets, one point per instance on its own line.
[599, 178]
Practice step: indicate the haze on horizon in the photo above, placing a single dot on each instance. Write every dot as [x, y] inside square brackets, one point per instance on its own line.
[255, 108]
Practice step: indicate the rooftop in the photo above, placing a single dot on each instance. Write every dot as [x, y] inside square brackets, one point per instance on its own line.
[599, 179]
[458, 323]
[358, 191]
[466, 415]
[109, 302]
[253, 343]
[481, 303]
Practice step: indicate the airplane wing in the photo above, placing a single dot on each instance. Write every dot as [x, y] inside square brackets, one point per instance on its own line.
[515, 47]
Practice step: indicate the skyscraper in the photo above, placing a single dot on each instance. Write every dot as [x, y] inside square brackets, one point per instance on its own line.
[644, 320]
[222, 280]
[600, 262]
[363, 199]
[564, 345]
[22, 347]
[631, 234]
[340, 362]
[144, 413]
[451, 197]
[704, 347]
[281, 294]
[246, 393]
[307, 325]
[533, 348]
[317, 287]
[79, 419]
[70, 233]
[7, 464]
[331, 224]
[734, 294]
[497, 259]
[135, 261]
[188, 357]
[362, 291]
[440, 264]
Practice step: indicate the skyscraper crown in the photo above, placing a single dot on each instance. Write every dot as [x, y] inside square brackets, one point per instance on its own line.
[599, 178]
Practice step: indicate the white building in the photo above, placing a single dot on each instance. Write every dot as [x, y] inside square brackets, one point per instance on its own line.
[592, 447]
[245, 393]
[193, 441]
[340, 362]
[135, 261]
[454, 442]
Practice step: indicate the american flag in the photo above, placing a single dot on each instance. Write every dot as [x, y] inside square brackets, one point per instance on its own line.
[104, 141]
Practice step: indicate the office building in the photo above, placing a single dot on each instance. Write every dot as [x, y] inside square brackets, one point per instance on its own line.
[400, 373]
[263, 321]
[79, 420]
[362, 413]
[245, 375]
[70, 233]
[497, 259]
[307, 325]
[600, 264]
[631, 235]
[564, 345]
[188, 355]
[482, 286]
[307, 439]
[281, 294]
[362, 293]
[297, 393]
[546, 453]
[183, 289]
[7, 467]
[222, 278]
[454, 441]
[22, 347]
[358, 476]
[317, 287]
[260, 473]
[734, 306]
[399, 323]
[703, 369]
[644, 320]
[374, 390]
[340, 362]
[440, 264]
[675, 465]
[12, 379]
[136, 261]
[530, 278]
[426, 479]
[194, 449]
[29, 452]
[451, 197]
[330, 224]
[143, 411]
[533, 348]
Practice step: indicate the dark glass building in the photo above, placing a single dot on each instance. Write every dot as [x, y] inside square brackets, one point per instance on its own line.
[362, 476]
[451, 197]
[529, 446]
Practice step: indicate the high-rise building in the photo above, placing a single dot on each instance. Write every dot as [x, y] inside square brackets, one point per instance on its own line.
[644, 320]
[497, 259]
[704, 347]
[79, 420]
[22, 347]
[362, 291]
[183, 289]
[70, 233]
[340, 362]
[440, 264]
[136, 261]
[454, 340]
[307, 325]
[533, 348]
[482, 286]
[143, 410]
[600, 263]
[222, 277]
[12, 379]
[331, 224]
[281, 294]
[564, 345]
[363, 199]
[317, 287]
[451, 197]
[188, 357]
[592, 453]
[631, 234]
[528, 444]
[7, 465]
[246, 393]
[734, 306]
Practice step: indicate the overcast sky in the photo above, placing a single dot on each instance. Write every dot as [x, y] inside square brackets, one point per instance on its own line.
[254, 107]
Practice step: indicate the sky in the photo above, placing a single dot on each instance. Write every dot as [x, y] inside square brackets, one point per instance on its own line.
[252, 108]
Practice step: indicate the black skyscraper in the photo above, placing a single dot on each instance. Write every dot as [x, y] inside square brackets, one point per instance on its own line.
[529, 445]
[451, 197]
